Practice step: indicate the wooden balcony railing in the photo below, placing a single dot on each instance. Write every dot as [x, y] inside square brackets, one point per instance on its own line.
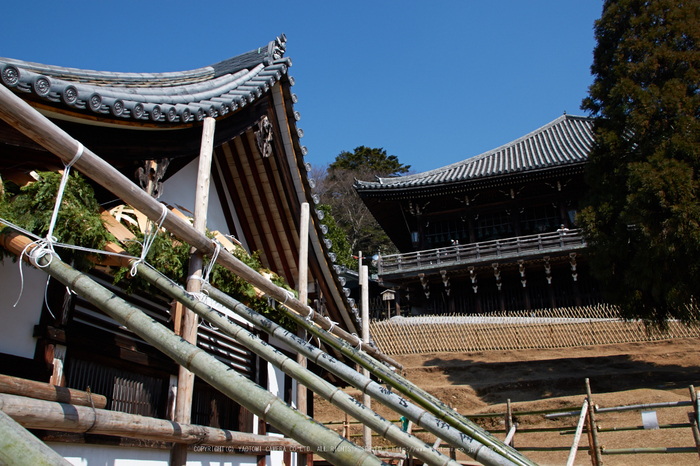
[509, 248]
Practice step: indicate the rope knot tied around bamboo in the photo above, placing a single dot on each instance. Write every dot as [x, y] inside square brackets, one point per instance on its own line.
[310, 316]
[45, 247]
[148, 241]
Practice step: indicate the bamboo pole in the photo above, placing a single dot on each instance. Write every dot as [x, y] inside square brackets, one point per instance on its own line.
[320, 386]
[18, 446]
[49, 392]
[326, 443]
[577, 436]
[66, 417]
[418, 395]
[649, 450]
[509, 424]
[378, 392]
[185, 378]
[20, 115]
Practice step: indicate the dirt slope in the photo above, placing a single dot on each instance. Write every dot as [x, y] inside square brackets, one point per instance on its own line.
[636, 373]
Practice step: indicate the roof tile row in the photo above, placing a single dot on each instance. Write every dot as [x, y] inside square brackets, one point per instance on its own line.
[177, 97]
[566, 140]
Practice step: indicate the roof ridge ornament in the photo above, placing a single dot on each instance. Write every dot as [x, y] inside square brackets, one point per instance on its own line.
[276, 49]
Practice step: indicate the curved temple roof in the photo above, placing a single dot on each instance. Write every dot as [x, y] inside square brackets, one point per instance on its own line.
[179, 100]
[566, 140]
[162, 98]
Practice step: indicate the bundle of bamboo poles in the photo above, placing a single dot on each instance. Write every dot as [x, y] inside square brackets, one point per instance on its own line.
[474, 441]
[259, 401]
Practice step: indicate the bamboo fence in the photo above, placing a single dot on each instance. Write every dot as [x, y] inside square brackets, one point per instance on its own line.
[516, 330]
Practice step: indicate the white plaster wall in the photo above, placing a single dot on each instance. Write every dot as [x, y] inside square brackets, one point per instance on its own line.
[179, 190]
[104, 455]
[18, 322]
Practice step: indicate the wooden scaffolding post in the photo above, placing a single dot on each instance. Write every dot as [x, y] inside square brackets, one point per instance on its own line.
[366, 400]
[593, 429]
[185, 380]
[302, 287]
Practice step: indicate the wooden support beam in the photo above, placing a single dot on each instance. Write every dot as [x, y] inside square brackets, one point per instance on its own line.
[49, 392]
[63, 417]
[366, 400]
[185, 379]
[302, 287]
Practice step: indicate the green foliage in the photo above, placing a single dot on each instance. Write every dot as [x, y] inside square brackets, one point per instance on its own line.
[642, 216]
[78, 221]
[361, 229]
[341, 247]
[171, 258]
[372, 159]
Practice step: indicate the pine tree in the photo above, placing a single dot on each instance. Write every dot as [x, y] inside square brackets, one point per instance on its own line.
[642, 216]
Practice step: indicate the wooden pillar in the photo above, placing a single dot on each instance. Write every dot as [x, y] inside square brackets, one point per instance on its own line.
[185, 382]
[366, 400]
[302, 288]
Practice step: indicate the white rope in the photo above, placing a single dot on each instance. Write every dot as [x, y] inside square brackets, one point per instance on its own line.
[310, 315]
[290, 294]
[210, 265]
[148, 241]
[332, 325]
[45, 246]
[359, 344]
[50, 239]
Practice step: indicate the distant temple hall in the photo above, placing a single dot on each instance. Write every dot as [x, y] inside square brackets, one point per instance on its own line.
[493, 233]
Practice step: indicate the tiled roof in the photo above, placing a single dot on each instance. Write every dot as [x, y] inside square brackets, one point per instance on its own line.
[178, 97]
[566, 140]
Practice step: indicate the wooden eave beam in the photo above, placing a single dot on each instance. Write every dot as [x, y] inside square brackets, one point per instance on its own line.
[220, 155]
[255, 216]
[269, 217]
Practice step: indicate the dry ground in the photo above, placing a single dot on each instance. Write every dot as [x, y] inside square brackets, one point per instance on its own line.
[624, 374]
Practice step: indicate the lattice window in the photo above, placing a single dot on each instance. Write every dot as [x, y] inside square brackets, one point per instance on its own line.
[540, 219]
[126, 391]
[493, 225]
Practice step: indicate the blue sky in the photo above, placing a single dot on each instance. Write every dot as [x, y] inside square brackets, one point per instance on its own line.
[430, 82]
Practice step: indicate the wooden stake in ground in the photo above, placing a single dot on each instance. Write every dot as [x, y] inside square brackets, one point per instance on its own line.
[185, 379]
[694, 416]
[593, 429]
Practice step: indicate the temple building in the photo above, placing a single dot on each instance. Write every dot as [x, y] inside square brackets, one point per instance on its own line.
[149, 127]
[493, 233]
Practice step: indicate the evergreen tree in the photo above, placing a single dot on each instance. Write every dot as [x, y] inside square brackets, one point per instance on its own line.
[369, 159]
[361, 229]
[642, 217]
